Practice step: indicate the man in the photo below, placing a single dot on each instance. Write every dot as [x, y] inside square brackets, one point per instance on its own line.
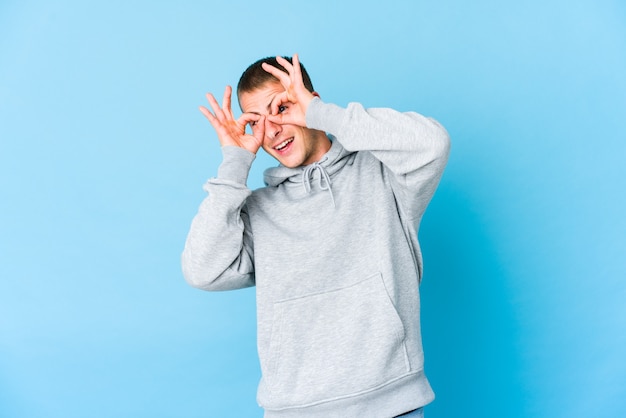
[330, 243]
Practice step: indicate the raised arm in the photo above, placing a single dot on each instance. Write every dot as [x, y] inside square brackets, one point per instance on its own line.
[414, 148]
[218, 251]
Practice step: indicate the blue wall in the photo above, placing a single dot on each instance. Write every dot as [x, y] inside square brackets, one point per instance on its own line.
[103, 153]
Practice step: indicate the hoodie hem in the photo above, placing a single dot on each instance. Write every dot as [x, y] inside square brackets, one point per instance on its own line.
[405, 394]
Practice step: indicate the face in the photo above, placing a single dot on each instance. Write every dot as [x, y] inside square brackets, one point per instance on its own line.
[291, 145]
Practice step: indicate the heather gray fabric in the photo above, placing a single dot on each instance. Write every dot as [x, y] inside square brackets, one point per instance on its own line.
[332, 249]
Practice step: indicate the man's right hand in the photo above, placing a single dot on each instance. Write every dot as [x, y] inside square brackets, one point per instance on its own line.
[231, 131]
[295, 99]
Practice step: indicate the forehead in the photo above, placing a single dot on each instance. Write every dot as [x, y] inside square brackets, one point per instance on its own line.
[259, 100]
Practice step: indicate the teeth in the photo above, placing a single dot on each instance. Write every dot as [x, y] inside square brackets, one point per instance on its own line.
[282, 144]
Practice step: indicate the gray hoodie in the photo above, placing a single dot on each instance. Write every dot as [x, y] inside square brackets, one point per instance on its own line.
[332, 249]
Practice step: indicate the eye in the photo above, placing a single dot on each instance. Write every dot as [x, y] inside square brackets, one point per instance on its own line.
[281, 108]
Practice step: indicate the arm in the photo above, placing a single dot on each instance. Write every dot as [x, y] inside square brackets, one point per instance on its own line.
[414, 148]
[218, 250]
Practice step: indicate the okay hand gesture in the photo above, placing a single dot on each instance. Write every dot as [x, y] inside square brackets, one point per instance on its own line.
[289, 107]
[231, 131]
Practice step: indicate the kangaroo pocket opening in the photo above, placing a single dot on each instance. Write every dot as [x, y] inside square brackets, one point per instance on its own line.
[334, 344]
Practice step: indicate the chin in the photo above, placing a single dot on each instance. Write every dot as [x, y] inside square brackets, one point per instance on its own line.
[289, 162]
[289, 165]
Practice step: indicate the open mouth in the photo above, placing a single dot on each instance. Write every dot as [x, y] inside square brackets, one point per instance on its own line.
[283, 145]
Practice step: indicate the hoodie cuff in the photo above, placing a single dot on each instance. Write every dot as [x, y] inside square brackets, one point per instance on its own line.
[325, 117]
[236, 164]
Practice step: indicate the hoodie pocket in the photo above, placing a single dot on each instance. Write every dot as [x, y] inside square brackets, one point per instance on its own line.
[335, 344]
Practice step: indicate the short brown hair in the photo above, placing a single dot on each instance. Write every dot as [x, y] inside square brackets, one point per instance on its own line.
[255, 76]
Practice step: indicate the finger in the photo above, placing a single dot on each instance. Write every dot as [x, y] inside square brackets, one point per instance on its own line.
[212, 119]
[207, 113]
[226, 102]
[251, 119]
[294, 70]
[277, 119]
[247, 118]
[279, 99]
[286, 64]
[297, 70]
[215, 106]
[280, 75]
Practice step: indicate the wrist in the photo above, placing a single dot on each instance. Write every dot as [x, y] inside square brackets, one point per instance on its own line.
[236, 164]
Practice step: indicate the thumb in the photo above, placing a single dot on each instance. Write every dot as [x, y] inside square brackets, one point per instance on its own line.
[289, 118]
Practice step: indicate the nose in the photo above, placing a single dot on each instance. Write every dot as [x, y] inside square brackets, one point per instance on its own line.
[272, 130]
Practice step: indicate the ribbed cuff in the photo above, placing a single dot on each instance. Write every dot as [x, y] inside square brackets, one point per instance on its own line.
[236, 164]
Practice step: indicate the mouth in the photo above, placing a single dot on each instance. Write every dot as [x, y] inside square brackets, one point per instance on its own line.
[283, 145]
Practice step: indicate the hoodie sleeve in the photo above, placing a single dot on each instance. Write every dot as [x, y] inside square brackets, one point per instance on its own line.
[218, 251]
[414, 148]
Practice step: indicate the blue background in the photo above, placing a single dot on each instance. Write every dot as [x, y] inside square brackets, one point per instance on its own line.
[103, 154]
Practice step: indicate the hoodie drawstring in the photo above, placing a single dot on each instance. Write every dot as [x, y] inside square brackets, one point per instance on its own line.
[324, 180]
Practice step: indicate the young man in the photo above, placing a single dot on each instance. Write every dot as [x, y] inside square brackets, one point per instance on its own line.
[330, 243]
